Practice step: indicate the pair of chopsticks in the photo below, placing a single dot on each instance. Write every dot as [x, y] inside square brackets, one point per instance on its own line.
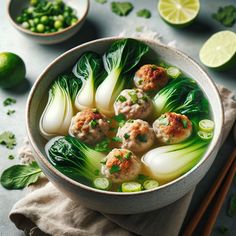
[227, 173]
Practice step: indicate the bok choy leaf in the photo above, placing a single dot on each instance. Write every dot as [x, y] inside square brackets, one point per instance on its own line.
[89, 69]
[56, 117]
[120, 59]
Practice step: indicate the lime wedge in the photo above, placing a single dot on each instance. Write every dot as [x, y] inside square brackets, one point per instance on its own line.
[219, 49]
[178, 12]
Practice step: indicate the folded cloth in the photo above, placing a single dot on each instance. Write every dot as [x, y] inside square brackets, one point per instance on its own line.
[46, 211]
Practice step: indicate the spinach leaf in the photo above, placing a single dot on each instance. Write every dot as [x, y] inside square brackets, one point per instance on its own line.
[121, 8]
[20, 176]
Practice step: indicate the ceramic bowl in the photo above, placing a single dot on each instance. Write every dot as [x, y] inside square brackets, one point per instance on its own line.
[81, 7]
[116, 202]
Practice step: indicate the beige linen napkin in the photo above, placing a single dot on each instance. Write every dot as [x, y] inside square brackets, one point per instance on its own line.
[45, 210]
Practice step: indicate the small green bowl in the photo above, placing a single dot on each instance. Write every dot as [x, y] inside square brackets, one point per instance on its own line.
[15, 7]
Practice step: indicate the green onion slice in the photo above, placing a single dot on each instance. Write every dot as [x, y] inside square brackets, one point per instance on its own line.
[150, 184]
[131, 187]
[205, 135]
[101, 183]
[206, 125]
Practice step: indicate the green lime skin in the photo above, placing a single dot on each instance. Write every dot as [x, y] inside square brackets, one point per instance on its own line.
[12, 70]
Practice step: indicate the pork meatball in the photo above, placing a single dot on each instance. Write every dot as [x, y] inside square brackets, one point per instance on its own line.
[150, 77]
[121, 165]
[136, 135]
[172, 128]
[89, 126]
[133, 103]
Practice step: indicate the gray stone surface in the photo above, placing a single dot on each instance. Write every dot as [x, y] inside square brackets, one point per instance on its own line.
[101, 22]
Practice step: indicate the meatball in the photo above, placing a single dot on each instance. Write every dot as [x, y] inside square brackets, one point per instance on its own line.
[136, 135]
[133, 103]
[121, 165]
[150, 77]
[172, 128]
[89, 126]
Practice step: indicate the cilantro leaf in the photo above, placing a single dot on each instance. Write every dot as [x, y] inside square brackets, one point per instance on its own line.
[117, 139]
[121, 119]
[114, 169]
[20, 176]
[8, 139]
[103, 146]
[121, 8]
[9, 101]
[101, 1]
[145, 13]
[10, 112]
[141, 138]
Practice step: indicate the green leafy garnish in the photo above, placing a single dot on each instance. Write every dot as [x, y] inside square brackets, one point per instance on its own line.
[20, 176]
[232, 206]
[114, 169]
[223, 229]
[10, 112]
[119, 157]
[117, 139]
[93, 123]
[121, 8]
[141, 178]
[185, 123]
[103, 146]
[101, 1]
[121, 98]
[8, 139]
[9, 101]
[142, 138]
[127, 155]
[226, 15]
[126, 136]
[120, 119]
[145, 13]
[11, 157]
[134, 97]
[103, 161]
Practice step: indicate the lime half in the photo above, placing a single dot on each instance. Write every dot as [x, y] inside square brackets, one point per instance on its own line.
[219, 49]
[178, 12]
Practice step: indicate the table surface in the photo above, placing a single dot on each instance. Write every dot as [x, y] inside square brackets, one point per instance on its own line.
[101, 22]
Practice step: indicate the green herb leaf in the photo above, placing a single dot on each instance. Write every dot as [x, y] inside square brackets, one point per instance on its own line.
[117, 139]
[185, 124]
[114, 169]
[223, 229]
[103, 161]
[232, 206]
[11, 157]
[226, 15]
[134, 97]
[121, 8]
[20, 176]
[142, 138]
[121, 119]
[9, 101]
[141, 178]
[10, 112]
[93, 123]
[144, 13]
[121, 98]
[101, 1]
[8, 139]
[103, 146]
[128, 155]
[126, 135]
[119, 157]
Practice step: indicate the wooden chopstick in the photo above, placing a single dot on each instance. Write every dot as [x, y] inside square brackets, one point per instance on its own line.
[205, 203]
[219, 201]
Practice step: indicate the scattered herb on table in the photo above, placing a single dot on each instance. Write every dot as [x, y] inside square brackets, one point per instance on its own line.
[223, 229]
[8, 139]
[145, 13]
[20, 176]
[226, 15]
[9, 101]
[121, 8]
[232, 206]
[10, 112]
[11, 157]
[101, 1]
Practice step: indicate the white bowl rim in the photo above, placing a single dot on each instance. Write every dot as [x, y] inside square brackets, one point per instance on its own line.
[218, 139]
[13, 22]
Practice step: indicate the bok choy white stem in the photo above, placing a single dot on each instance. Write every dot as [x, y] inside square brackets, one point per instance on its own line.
[121, 58]
[89, 69]
[56, 117]
[169, 162]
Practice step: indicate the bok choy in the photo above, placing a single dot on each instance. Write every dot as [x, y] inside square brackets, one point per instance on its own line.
[181, 96]
[120, 59]
[169, 162]
[56, 117]
[89, 69]
[74, 158]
